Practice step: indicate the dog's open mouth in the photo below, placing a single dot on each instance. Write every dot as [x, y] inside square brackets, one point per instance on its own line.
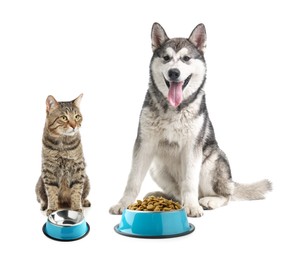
[175, 95]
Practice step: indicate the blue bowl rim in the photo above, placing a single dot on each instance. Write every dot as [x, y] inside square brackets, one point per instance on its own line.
[65, 240]
[192, 228]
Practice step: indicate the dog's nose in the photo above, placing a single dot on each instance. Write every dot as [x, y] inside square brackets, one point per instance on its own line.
[174, 74]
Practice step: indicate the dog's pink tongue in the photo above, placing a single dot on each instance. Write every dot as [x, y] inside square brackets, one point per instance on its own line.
[175, 95]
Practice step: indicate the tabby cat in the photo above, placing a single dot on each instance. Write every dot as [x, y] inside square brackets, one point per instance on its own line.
[63, 182]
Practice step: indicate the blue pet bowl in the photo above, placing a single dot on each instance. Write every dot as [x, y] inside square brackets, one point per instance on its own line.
[66, 225]
[151, 224]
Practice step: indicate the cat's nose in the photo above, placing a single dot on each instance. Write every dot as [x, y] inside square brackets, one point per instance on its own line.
[72, 124]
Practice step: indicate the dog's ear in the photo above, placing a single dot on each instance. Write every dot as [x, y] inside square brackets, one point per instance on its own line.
[198, 37]
[159, 36]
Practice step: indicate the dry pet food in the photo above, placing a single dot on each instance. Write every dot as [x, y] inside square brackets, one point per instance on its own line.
[153, 203]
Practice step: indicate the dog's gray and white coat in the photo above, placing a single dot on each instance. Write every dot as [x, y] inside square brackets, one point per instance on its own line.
[175, 140]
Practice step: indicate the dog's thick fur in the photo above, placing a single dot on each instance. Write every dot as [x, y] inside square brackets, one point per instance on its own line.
[175, 139]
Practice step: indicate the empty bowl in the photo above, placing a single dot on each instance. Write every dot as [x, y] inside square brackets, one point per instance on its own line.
[66, 225]
[151, 224]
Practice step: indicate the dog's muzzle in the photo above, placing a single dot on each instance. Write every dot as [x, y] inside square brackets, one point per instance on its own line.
[175, 94]
[184, 84]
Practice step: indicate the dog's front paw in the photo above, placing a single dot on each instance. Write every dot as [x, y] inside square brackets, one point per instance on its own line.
[117, 209]
[194, 211]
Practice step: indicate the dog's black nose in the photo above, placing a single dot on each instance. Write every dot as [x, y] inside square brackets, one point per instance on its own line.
[174, 74]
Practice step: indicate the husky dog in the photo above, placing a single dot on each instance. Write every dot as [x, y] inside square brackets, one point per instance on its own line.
[175, 140]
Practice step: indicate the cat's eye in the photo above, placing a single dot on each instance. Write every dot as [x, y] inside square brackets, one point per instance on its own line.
[64, 118]
[186, 58]
[77, 117]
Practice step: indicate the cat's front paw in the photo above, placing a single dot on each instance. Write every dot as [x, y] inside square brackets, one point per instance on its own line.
[117, 209]
[194, 211]
[50, 211]
[43, 207]
[86, 203]
[77, 209]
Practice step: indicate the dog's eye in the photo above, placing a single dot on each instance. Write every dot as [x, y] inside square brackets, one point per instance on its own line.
[166, 58]
[186, 58]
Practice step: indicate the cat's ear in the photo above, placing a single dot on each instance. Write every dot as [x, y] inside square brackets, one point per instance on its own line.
[51, 104]
[77, 101]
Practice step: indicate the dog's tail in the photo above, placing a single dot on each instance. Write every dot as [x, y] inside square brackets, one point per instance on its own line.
[253, 191]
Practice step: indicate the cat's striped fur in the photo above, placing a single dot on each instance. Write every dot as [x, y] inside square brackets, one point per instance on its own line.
[63, 182]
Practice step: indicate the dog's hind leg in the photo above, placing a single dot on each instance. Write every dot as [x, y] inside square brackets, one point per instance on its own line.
[213, 202]
[215, 186]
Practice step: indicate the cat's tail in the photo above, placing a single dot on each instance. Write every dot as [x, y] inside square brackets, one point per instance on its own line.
[252, 191]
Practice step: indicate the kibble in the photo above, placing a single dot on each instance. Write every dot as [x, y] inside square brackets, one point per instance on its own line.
[153, 203]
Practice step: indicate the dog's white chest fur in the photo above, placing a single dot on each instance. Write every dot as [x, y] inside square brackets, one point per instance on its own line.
[173, 127]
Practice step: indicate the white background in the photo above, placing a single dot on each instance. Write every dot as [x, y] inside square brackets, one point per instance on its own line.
[103, 49]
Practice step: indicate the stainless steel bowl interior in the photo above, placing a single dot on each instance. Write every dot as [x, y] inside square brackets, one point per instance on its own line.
[66, 217]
